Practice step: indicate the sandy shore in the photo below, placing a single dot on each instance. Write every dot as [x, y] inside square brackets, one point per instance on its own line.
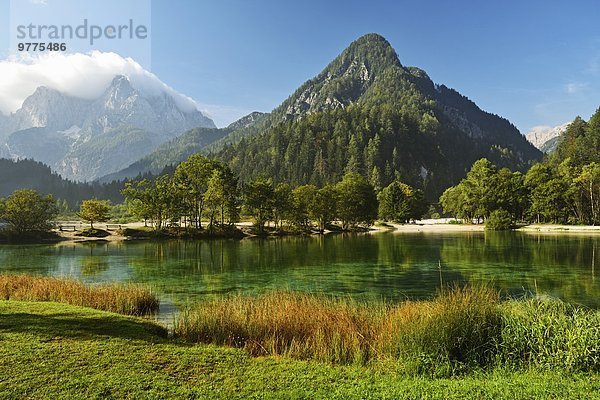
[442, 225]
[425, 226]
[560, 228]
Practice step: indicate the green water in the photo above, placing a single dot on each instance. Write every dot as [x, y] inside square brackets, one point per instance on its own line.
[367, 266]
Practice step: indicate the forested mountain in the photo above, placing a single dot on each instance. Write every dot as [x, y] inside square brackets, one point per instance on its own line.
[367, 113]
[179, 149]
[580, 142]
[565, 188]
[29, 174]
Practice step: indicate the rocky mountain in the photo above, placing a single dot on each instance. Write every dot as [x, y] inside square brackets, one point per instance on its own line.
[366, 112]
[85, 139]
[180, 148]
[545, 138]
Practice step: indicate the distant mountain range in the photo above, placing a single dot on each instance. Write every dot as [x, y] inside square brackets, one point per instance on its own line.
[86, 139]
[180, 148]
[365, 112]
[546, 138]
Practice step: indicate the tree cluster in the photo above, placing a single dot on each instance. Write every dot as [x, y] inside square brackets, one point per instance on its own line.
[563, 193]
[25, 211]
[201, 189]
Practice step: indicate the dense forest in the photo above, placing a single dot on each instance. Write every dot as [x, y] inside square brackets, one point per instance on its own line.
[29, 174]
[564, 188]
[366, 113]
[201, 189]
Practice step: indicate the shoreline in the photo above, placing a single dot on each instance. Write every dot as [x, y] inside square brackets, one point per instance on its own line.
[426, 226]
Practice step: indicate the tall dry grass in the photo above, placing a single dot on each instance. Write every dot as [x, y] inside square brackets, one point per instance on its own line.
[118, 298]
[460, 330]
[284, 323]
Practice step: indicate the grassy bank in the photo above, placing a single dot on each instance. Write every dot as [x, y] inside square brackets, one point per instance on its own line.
[50, 350]
[118, 298]
[460, 331]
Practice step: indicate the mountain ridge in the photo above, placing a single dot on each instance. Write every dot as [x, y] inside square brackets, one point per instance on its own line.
[390, 121]
[73, 126]
[546, 138]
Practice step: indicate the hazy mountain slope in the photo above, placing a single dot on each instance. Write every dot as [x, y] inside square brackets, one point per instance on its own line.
[179, 149]
[29, 174]
[68, 133]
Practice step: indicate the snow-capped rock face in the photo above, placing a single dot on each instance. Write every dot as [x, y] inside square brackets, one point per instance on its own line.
[129, 120]
[539, 136]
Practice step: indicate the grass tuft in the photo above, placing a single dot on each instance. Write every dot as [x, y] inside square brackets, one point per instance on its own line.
[297, 325]
[459, 331]
[118, 298]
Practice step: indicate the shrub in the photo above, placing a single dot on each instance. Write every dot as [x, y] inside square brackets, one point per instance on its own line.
[454, 332]
[499, 220]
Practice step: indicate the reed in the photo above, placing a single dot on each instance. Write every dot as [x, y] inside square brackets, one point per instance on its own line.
[550, 334]
[297, 325]
[118, 298]
[460, 330]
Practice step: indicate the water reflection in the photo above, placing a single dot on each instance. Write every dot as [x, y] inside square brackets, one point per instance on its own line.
[389, 266]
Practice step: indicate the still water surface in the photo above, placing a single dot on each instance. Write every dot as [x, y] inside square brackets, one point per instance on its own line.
[390, 266]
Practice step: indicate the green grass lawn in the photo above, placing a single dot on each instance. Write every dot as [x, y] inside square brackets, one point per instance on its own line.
[50, 350]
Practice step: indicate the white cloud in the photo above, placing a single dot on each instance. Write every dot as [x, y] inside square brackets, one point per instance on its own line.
[40, 2]
[575, 87]
[79, 75]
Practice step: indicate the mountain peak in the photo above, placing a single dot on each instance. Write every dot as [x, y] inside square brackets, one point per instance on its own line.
[346, 79]
[545, 138]
[373, 50]
[120, 80]
[42, 93]
[372, 39]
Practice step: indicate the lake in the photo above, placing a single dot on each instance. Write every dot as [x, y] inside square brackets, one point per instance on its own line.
[390, 266]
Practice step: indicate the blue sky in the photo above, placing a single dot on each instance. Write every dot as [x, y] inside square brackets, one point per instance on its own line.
[533, 62]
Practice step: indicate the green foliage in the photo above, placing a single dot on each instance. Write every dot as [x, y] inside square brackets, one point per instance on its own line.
[547, 193]
[191, 180]
[499, 220]
[26, 211]
[94, 211]
[356, 201]
[198, 188]
[580, 142]
[323, 206]
[302, 198]
[259, 199]
[282, 205]
[484, 190]
[399, 202]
